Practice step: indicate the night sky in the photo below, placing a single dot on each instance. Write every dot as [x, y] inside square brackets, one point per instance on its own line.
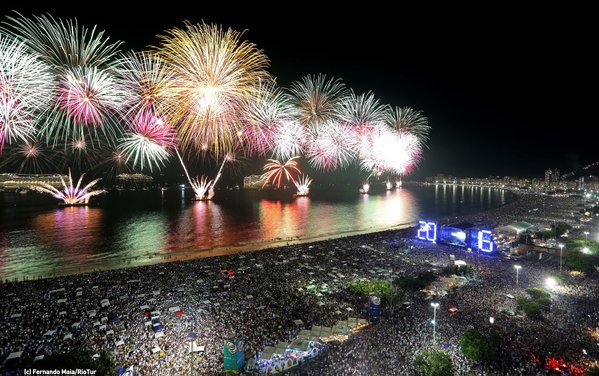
[507, 91]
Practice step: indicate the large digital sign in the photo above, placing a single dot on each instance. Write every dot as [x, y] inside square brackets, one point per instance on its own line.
[427, 231]
[485, 241]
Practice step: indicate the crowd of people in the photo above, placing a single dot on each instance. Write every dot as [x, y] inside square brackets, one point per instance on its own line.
[258, 295]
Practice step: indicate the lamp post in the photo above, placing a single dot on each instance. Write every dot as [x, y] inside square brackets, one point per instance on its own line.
[435, 306]
[586, 235]
[561, 248]
[518, 267]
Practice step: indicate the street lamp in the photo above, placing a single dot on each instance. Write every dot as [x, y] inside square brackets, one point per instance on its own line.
[586, 250]
[561, 248]
[550, 283]
[518, 267]
[586, 235]
[435, 306]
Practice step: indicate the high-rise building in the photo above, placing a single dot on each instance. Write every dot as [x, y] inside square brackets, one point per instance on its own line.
[552, 176]
[555, 176]
[548, 173]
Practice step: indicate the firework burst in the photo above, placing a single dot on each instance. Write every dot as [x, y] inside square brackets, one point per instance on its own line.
[303, 185]
[361, 111]
[26, 87]
[72, 195]
[215, 71]
[316, 98]
[148, 142]
[275, 172]
[89, 97]
[143, 76]
[203, 188]
[391, 151]
[330, 145]
[82, 60]
[63, 43]
[405, 119]
[30, 157]
[289, 139]
[267, 110]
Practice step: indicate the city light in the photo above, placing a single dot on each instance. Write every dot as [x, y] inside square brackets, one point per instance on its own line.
[435, 306]
[561, 248]
[517, 267]
[586, 250]
[550, 283]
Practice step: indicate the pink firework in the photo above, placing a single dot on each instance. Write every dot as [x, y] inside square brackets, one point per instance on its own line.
[70, 194]
[154, 128]
[149, 140]
[330, 145]
[266, 111]
[89, 96]
[276, 171]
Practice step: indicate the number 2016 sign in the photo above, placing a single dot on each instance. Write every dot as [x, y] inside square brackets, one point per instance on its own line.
[427, 231]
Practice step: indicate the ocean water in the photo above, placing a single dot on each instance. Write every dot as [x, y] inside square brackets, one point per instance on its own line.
[124, 229]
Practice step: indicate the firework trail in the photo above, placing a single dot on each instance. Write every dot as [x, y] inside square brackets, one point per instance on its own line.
[215, 71]
[317, 99]
[275, 171]
[26, 87]
[71, 195]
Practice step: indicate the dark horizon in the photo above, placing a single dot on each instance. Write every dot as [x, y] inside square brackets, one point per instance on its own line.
[504, 91]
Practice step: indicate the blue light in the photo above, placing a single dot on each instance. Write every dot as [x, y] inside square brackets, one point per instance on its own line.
[485, 241]
[432, 232]
[422, 230]
[427, 231]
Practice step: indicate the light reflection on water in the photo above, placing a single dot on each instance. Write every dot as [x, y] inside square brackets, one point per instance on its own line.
[137, 228]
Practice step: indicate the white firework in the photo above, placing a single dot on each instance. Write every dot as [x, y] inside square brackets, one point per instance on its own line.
[26, 88]
[330, 145]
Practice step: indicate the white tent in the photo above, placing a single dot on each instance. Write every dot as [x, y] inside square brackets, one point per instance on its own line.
[38, 358]
[193, 347]
[15, 355]
[67, 337]
[104, 303]
[49, 333]
[156, 349]
[174, 309]
[158, 335]
[119, 342]
[15, 315]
